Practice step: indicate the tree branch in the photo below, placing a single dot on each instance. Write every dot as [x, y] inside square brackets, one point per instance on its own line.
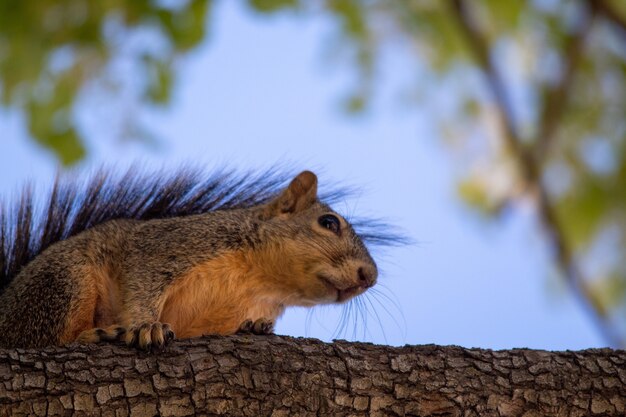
[530, 175]
[282, 376]
[610, 13]
[504, 110]
[556, 100]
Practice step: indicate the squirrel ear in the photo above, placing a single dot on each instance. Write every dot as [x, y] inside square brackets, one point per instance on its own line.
[299, 195]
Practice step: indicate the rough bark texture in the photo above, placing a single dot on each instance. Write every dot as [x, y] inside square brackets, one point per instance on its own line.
[283, 376]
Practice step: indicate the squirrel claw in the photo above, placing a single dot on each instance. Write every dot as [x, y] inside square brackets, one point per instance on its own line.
[168, 333]
[261, 326]
[151, 337]
[245, 327]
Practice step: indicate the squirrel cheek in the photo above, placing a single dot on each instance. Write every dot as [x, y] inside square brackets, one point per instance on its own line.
[326, 292]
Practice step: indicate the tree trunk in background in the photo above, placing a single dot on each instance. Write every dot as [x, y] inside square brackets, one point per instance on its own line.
[284, 376]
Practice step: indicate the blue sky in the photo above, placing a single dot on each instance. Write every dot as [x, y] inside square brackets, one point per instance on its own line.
[260, 92]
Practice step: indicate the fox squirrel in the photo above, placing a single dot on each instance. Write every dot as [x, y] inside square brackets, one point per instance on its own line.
[140, 260]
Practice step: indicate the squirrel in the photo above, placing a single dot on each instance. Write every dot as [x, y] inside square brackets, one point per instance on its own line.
[143, 260]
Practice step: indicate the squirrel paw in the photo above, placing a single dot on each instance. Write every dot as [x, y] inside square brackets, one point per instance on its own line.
[260, 326]
[108, 334]
[149, 336]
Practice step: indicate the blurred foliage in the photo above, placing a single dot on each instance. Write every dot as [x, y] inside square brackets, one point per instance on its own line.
[561, 63]
[50, 50]
[540, 102]
[561, 68]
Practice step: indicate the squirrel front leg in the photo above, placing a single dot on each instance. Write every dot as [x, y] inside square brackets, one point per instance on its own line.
[140, 314]
[137, 323]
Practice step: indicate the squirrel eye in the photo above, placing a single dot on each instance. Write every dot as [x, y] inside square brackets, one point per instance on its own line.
[330, 222]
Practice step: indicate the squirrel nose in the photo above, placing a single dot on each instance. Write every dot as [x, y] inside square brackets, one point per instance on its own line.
[367, 277]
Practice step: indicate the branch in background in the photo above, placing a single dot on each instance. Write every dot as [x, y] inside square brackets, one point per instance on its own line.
[530, 175]
[606, 9]
[556, 100]
[504, 111]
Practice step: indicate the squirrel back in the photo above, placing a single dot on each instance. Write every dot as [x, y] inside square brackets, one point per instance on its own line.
[139, 258]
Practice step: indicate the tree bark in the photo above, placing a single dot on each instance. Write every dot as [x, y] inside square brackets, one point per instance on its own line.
[284, 376]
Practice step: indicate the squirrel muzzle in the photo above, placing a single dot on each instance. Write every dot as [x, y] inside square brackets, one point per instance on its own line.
[360, 277]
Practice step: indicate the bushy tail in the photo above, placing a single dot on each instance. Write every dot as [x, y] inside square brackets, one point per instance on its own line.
[28, 226]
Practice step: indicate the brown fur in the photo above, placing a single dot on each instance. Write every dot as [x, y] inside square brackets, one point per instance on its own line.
[108, 304]
[97, 306]
[83, 307]
[213, 273]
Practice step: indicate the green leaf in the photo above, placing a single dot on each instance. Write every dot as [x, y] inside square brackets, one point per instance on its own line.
[582, 211]
[352, 15]
[504, 16]
[64, 141]
[610, 290]
[475, 194]
[356, 103]
[159, 81]
[269, 6]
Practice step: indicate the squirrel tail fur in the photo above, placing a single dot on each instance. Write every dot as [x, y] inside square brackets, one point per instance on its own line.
[111, 257]
[73, 206]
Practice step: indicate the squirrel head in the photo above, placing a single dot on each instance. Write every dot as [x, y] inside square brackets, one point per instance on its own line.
[319, 258]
